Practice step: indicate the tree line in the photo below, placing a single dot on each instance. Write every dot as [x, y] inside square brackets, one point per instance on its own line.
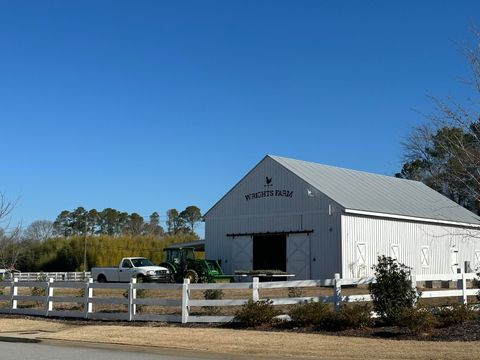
[110, 234]
[114, 222]
[67, 254]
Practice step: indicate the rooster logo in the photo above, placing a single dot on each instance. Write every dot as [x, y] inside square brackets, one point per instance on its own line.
[268, 180]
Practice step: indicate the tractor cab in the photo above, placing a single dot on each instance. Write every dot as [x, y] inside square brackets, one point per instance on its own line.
[179, 255]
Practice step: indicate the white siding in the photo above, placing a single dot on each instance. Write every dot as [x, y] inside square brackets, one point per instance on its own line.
[445, 244]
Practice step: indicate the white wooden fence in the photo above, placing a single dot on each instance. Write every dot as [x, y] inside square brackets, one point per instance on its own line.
[57, 276]
[87, 302]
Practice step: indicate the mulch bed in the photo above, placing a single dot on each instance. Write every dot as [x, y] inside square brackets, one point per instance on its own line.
[469, 331]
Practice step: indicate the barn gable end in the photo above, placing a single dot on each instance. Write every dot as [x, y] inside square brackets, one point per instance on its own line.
[272, 199]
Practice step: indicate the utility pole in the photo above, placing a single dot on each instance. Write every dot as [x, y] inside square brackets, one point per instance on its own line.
[85, 247]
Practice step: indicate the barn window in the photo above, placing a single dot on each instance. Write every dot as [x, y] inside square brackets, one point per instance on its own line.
[361, 259]
[361, 254]
[477, 259]
[394, 251]
[425, 256]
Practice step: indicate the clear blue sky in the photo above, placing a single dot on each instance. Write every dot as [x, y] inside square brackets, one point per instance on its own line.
[148, 105]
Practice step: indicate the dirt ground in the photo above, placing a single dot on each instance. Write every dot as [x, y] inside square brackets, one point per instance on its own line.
[245, 342]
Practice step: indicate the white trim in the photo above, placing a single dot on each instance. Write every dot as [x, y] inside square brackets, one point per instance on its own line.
[414, 218]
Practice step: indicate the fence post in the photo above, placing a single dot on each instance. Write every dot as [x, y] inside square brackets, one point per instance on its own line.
[462, 284]
[337, 292]
[88, 307]
[185, 300]
[255, 286]
[49, 292]
[132, 295]
[413, 281]
[13, 294]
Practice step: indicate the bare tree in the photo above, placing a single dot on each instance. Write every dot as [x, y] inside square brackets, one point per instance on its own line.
[10, 247]
[6, 207]
[444, 153]
[39, 231]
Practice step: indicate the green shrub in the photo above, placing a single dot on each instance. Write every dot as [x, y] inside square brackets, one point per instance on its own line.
[38, 291]
[81, 292]
[295, 292]
[392, 292]
[311, 313]
[456, 314]
[254, 313]
[140, 294]
[417, 321]
[321, 316]
[212, 294]
[353, 317]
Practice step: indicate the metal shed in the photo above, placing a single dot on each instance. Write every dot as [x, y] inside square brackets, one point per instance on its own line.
[315, 220]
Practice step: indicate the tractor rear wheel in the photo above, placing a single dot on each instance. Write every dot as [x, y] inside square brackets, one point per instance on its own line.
[192, 275]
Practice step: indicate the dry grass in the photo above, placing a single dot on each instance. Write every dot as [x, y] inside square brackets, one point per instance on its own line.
[21, 325]
[246, 342]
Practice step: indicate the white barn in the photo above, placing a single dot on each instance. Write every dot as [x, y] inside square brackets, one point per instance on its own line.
[314, 220]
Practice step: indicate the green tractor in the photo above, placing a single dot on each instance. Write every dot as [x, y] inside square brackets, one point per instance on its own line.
[182, 264]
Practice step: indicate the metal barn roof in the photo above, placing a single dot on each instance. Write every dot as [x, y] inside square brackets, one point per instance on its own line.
[361, 191]
[198, 245]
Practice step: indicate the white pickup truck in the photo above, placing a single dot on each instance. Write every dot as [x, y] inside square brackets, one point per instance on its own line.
[132, 267]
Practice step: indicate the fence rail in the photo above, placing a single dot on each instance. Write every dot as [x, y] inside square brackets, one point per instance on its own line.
[47, 296]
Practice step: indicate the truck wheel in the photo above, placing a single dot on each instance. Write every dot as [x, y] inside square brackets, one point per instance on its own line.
[192, 275]
[140, 279]
[101, 278]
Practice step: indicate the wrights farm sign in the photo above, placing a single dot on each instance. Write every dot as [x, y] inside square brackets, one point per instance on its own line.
[269, 192]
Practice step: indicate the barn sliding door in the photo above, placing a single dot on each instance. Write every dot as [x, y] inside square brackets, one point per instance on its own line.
[298, 256]
[242, 253]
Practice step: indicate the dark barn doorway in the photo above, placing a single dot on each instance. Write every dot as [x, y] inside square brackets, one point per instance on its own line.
[270, 252]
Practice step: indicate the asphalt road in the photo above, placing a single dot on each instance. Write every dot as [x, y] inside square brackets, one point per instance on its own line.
[43, 351]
